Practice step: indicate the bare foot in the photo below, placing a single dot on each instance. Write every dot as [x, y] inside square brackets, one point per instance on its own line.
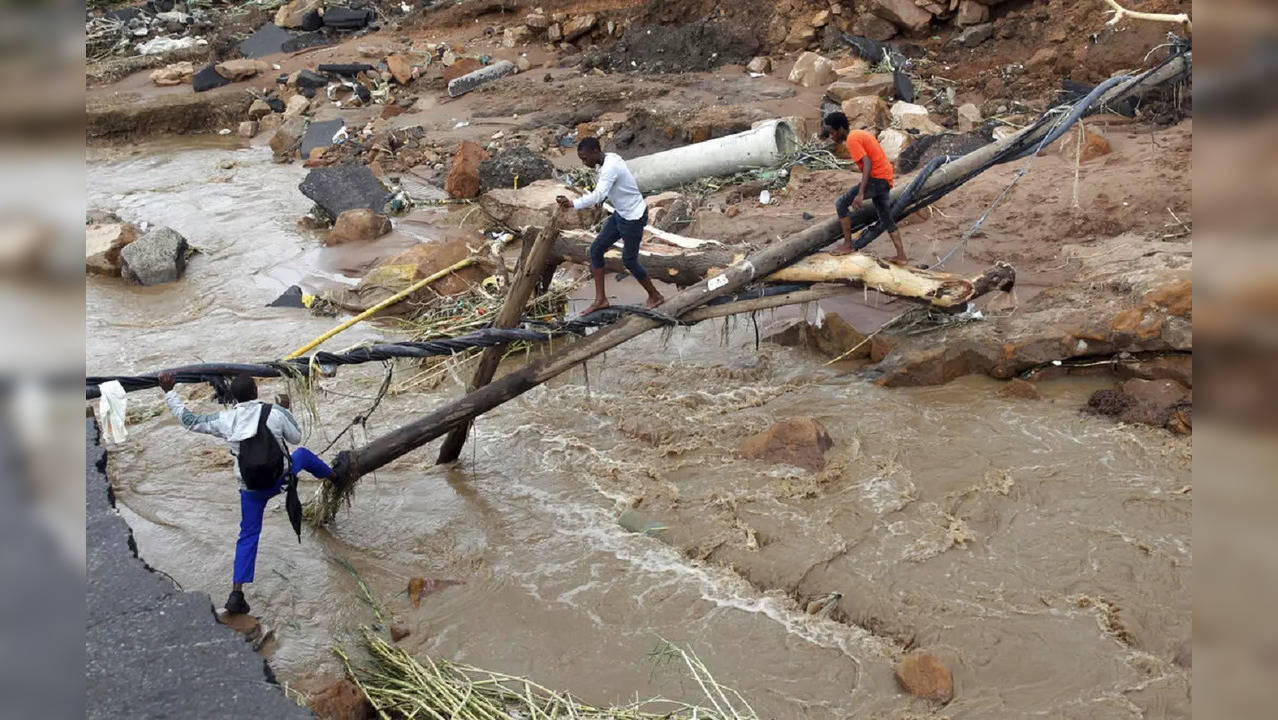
[843, 248]
[594, 307]
[654, 301]
[899, 260]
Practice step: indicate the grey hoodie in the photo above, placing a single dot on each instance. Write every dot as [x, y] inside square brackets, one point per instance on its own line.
[238, 423]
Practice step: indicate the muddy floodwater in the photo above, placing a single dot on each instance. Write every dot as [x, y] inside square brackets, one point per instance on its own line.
[1043, 553]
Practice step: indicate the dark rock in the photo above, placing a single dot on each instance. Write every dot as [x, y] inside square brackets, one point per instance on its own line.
[124, 15]
[207, 79]
[312, 21]
[276, 104]
[344, 187]
[831, 39]
[1149, 402]
[974, 35]
[266, 40]
[924, 149]
[398, 632]
[320, 135]
[308, 40]
[346, 69]
[833, 338]
[518, 165]
[159, 6]
[307, 78]
[157, 257]
[291, 298]
[363, 93]
[307, 92]
[347, 18]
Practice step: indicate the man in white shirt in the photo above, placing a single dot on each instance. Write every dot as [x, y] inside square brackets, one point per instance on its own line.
[618, 186]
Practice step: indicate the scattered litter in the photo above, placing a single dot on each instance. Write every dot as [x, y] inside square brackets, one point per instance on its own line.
[461, 124]
[765, 197]
[111, 409]
[162, 45]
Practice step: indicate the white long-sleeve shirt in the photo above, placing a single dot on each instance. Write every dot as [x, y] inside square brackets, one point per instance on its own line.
[618, 186]
[238, 423]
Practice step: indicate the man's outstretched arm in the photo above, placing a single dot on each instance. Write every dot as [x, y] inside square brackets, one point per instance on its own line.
[207, 423]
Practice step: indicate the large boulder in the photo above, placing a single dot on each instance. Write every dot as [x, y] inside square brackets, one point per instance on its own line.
[400, 66]
[513, 168]
[463, 174]
[340, 188]
[850, 86]
[241, 69]
[925, 675]
[905, 14]
[157, 257]
[913, 118]
[287, 139]
[178, 73]
[532, 205]
[293, 14]
[358, 225]
[421, 261]
[971, 13]
[800, 441]
[812, 70]
[833, 337]
[867, 111]
[894, 142]
[102, 245]
[577, 26]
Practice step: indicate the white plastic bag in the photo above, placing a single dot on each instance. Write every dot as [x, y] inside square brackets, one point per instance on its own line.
[111, 407]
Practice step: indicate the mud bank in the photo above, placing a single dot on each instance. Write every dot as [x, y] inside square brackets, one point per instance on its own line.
[152, 650]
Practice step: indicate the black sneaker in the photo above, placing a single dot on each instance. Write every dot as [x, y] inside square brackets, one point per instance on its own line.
[236, 604]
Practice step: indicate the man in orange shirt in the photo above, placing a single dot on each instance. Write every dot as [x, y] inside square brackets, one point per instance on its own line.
[876, 182]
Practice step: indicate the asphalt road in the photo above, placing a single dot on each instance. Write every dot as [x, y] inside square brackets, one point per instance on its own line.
[152, 650]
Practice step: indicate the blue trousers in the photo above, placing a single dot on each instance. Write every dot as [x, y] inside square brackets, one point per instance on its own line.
[630, 232]
[253, 506]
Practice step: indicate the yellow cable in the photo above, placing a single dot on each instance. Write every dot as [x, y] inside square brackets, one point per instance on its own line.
[381, 306]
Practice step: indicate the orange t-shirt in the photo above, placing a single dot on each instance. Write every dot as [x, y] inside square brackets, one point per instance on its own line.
[861, 144]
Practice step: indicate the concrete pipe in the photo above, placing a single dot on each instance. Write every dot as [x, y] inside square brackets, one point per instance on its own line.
[766, 145]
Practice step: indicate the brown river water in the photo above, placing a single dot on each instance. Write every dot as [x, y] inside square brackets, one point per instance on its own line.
[1044, 554]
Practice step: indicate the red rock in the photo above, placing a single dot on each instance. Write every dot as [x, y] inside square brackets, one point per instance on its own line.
[463, 66]
[463, 175]
[358, 225]
[798, 441]
[1150, 402]
[401, 68]
[102, 245]
[925, 675]
[399, 632]
[1020, 389]
[1176, 298]
[342, 700]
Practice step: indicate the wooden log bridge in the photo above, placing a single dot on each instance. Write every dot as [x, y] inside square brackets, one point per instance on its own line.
[350, 465]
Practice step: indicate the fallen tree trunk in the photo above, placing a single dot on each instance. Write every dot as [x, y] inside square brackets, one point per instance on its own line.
[353, 464]
[688, 267]
[528, 273]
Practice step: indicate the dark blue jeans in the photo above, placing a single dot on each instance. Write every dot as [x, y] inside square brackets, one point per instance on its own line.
[876, 191]
[630, 232]
[253, 506]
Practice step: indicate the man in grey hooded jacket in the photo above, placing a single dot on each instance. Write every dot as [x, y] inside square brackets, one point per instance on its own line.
[234, 426]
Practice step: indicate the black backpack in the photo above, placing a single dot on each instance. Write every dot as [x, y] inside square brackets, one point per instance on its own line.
[261, 460]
